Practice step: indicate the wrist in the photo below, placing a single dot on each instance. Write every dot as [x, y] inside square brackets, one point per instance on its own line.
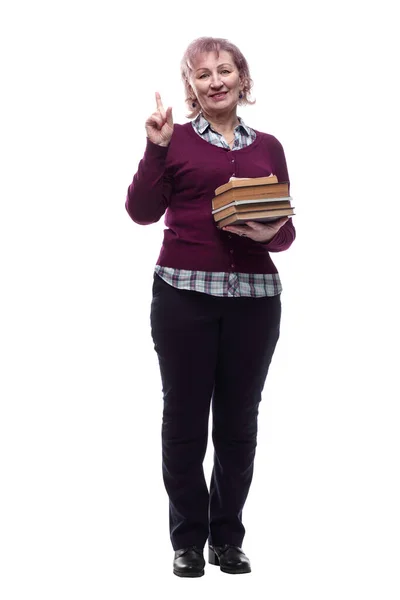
[160, 144]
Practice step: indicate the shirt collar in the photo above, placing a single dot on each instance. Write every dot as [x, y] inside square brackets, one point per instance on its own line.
[201, 124]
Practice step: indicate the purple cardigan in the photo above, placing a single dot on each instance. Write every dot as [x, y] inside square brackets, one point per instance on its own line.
[180, 181]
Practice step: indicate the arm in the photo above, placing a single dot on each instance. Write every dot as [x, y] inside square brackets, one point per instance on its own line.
[283, 239]
[287, 233]
[149, 193]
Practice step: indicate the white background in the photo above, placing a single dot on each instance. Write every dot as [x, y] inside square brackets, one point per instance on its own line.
[84, 513]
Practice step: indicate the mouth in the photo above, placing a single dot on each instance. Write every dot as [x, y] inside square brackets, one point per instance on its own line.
[219, 95]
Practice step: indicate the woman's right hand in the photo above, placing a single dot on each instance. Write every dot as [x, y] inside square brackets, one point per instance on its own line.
[160, 126]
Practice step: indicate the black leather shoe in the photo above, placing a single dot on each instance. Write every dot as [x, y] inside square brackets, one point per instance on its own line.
[189, 562]
[230, 559]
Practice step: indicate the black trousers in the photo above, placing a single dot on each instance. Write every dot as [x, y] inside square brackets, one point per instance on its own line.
[218, 350]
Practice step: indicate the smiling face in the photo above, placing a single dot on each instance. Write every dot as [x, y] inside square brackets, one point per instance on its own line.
[216, 83]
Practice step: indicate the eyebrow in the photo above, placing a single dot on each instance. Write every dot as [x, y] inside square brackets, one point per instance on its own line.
[207, 69]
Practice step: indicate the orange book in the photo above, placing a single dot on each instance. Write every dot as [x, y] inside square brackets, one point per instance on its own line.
[235, 182]
[259, 188]
[242, 206]
[260, 216]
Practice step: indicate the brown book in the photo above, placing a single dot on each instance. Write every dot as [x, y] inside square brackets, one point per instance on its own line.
[269, 192]
[249, 206]
[237, 182]
[261, 216]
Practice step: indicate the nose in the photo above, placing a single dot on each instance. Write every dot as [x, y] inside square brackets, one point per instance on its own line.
[216, 81]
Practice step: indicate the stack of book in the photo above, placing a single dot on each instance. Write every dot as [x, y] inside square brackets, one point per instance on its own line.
[251, 199]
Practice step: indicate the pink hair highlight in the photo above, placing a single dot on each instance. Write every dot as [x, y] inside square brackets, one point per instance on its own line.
[210, 44]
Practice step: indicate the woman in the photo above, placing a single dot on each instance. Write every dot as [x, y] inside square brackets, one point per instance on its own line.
[216, 301]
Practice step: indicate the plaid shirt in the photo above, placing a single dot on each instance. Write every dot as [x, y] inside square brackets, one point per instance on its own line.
[253, 285]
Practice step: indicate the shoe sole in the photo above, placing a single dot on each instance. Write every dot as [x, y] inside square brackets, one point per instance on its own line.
[194, 574]
[235, 571]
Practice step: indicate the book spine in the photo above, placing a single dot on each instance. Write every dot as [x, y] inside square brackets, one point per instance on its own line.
[254, 201]
[235, 195]
[241, 220]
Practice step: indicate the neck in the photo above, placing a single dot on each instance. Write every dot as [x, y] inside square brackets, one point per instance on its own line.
[223, 122]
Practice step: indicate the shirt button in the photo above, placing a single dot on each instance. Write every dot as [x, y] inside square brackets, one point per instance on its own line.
[231, 251]
[233, 266]
[233, 160]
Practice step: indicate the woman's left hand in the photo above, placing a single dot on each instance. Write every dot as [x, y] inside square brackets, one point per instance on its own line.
[259, 232]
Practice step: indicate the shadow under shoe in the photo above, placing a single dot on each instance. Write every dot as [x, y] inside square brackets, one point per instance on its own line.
[189, 562]
[230, 559]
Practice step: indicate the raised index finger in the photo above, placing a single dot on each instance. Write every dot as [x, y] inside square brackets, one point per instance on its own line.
[160, 104]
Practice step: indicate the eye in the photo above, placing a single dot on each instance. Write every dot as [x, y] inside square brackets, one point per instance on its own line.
[225, 71]
[204, 75]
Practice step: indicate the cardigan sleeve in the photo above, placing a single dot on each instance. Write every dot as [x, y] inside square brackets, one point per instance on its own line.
[283, 239]
[287, 233]
[149, 193]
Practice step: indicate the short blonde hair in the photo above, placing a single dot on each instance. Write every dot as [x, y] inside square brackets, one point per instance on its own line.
[210, 44]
